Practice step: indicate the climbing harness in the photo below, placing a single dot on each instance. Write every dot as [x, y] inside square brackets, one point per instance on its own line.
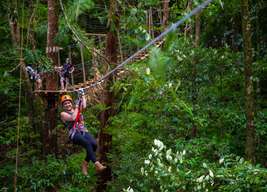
[76, 127]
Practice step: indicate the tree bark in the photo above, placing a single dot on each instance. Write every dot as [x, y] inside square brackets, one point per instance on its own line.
[49, 141]
[14, 28]
[165, 16]
[249, 99]
[105, 138]
[188, 27]
[194, 72]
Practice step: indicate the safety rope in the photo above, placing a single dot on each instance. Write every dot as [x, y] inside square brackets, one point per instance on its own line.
[18, 133]
[171, 28]
[19, 105]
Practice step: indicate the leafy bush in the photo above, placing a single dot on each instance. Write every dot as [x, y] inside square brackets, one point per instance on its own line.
[165, 170]
[55, 174]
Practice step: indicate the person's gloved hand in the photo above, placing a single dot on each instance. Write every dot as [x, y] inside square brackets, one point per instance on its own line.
[81, 92]
[77, 102]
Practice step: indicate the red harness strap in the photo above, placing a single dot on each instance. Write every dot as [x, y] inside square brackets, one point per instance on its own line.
[77, 116]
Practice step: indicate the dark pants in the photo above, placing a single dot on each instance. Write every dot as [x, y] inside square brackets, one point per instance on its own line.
[88, 142]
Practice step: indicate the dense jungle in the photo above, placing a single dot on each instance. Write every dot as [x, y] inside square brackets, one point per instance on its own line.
[133, 95]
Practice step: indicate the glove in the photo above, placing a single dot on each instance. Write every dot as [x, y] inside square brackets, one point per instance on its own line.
[77, 102]
[81, 92]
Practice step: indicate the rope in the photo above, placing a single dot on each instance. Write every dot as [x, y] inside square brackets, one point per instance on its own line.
[18, 133]
[19, 110]
[158, 38]
[129, 59]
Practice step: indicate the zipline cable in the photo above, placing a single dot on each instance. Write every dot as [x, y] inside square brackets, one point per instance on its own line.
[158, 38]
[129, 59]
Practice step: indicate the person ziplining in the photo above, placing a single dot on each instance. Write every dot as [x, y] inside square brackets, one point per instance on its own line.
[73, 120]
[64, 73]
[71, 116]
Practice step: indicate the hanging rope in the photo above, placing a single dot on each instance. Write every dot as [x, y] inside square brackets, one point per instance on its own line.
[129, 59]
[18, 131]
[21, 64]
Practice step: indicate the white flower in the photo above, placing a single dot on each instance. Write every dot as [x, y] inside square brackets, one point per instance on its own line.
[212, 183]
[184, 152]
[150, 156]
[179, 58]
[159, 144]
[188, 172]
[159, 163]
[168, 155]
[146, 173]
[142, 170]
[129, 189]
[148, 71]
[205, 165]
[221, 160]
[170, 169]
[200, 179]
[211, 173]
[179, 156]
[155, 151]
[147, 162]
[168, 152]
[151, 168]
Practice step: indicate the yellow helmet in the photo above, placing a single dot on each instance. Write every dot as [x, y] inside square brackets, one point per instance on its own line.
[65, 98]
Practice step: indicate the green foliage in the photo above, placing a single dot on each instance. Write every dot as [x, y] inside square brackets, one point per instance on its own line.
[52, 173]
[69, 21]
[38, 60]
[151, 107]
[92, 122]
[163, 98]
[155, 103]
[189, 170]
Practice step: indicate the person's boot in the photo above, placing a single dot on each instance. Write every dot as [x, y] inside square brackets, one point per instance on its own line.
[99, 167]
[84, 168]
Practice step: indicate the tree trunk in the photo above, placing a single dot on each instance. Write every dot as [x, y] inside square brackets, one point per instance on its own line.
[49, 141]
[249, 100]
[188, 27]
[105, 138]
[198, 27]
[165, 16]
[194, 72]
[14, 28]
